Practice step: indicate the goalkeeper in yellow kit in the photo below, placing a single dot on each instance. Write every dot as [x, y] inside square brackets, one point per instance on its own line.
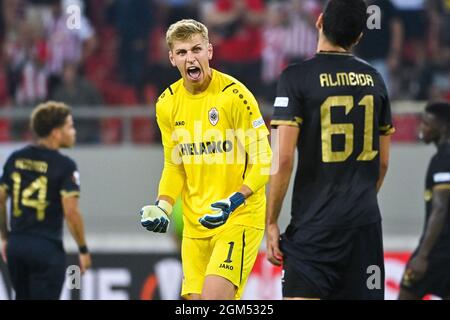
[217, 156]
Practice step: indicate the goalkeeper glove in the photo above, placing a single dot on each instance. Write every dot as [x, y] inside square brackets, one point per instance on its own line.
[225, 207]
[155, 218]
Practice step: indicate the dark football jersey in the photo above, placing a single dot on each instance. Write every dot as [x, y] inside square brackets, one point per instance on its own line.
[341, 105]
[36, 179]
[438, 177]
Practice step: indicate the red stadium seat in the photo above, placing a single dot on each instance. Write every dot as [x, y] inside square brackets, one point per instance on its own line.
[111, 131]
[142, 130]
[5, 130]
[3, 89]
[119, 94]
[128, 96]
[406, 127]
[150, 95]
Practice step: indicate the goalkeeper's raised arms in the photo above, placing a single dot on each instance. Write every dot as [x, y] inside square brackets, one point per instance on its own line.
[225, 207]
[156, 217]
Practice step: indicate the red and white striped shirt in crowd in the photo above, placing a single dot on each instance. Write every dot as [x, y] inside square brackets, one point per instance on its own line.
[273, 54]
[28, 63]
[289, 36]
[33, 85]
[65, 44]
[301, 41]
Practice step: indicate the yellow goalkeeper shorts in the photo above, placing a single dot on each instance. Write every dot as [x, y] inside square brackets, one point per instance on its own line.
[230, 254]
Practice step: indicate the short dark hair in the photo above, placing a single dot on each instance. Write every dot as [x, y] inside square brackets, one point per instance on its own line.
[344, 20]
[48, 116]
[440, 109]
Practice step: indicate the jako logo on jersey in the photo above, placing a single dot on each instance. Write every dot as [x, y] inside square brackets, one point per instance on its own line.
[213, 116]
[179, 123]
[225, 266]
[209, 147]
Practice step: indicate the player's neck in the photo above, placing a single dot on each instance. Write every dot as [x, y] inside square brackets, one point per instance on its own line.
[48, 143]
[326, 46]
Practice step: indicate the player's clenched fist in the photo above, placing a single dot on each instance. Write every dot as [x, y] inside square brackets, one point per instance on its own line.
[156, 217]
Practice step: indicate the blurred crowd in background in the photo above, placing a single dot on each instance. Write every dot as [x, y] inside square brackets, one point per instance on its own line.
[116, 55]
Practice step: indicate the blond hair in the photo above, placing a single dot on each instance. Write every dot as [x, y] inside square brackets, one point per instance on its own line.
[184, 30]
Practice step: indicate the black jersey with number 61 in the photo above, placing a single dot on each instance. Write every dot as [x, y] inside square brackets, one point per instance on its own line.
[36, 178]
[341, 105]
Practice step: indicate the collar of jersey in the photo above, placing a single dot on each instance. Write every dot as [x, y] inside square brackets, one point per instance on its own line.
[339, 53]
[42, 147]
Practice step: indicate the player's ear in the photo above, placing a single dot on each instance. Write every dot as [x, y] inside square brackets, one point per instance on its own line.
[210, 51]
[319, 22]
[55, 133]
[172, 60]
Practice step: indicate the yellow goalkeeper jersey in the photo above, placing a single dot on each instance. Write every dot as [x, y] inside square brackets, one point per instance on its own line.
[207, 139]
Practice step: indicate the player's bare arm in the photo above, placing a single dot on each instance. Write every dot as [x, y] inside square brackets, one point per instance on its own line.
[76, 227]
[440, 199]
[385, 143]
[3, 227]
[278, 185]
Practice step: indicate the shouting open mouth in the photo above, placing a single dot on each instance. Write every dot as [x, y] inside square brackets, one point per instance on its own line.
[194, 73]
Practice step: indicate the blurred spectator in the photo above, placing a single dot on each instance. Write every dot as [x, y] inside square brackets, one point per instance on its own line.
[289, 36]
[413, 16]
[414, 19]
[301, 42]
[26, 56]
[77, 91]
[160, 73]
[439, 17]
[273, 53]
[13, 12]
[435, 79]
[133, 21]
[66, 44]
[382, 47]
[174, 10]
[237, 27]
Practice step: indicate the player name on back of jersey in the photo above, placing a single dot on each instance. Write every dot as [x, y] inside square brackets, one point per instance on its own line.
[31, 165]
[345, 79]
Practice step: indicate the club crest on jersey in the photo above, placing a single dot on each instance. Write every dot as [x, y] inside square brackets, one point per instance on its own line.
[213, 116]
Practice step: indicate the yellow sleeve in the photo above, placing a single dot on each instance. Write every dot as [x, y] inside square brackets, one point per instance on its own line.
[260, 158]
[173, 175]
[252, 135]
[248, 121]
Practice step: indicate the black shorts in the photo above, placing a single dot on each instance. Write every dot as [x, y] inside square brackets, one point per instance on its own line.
[436, 280]
[333, 264]
[36, 267]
